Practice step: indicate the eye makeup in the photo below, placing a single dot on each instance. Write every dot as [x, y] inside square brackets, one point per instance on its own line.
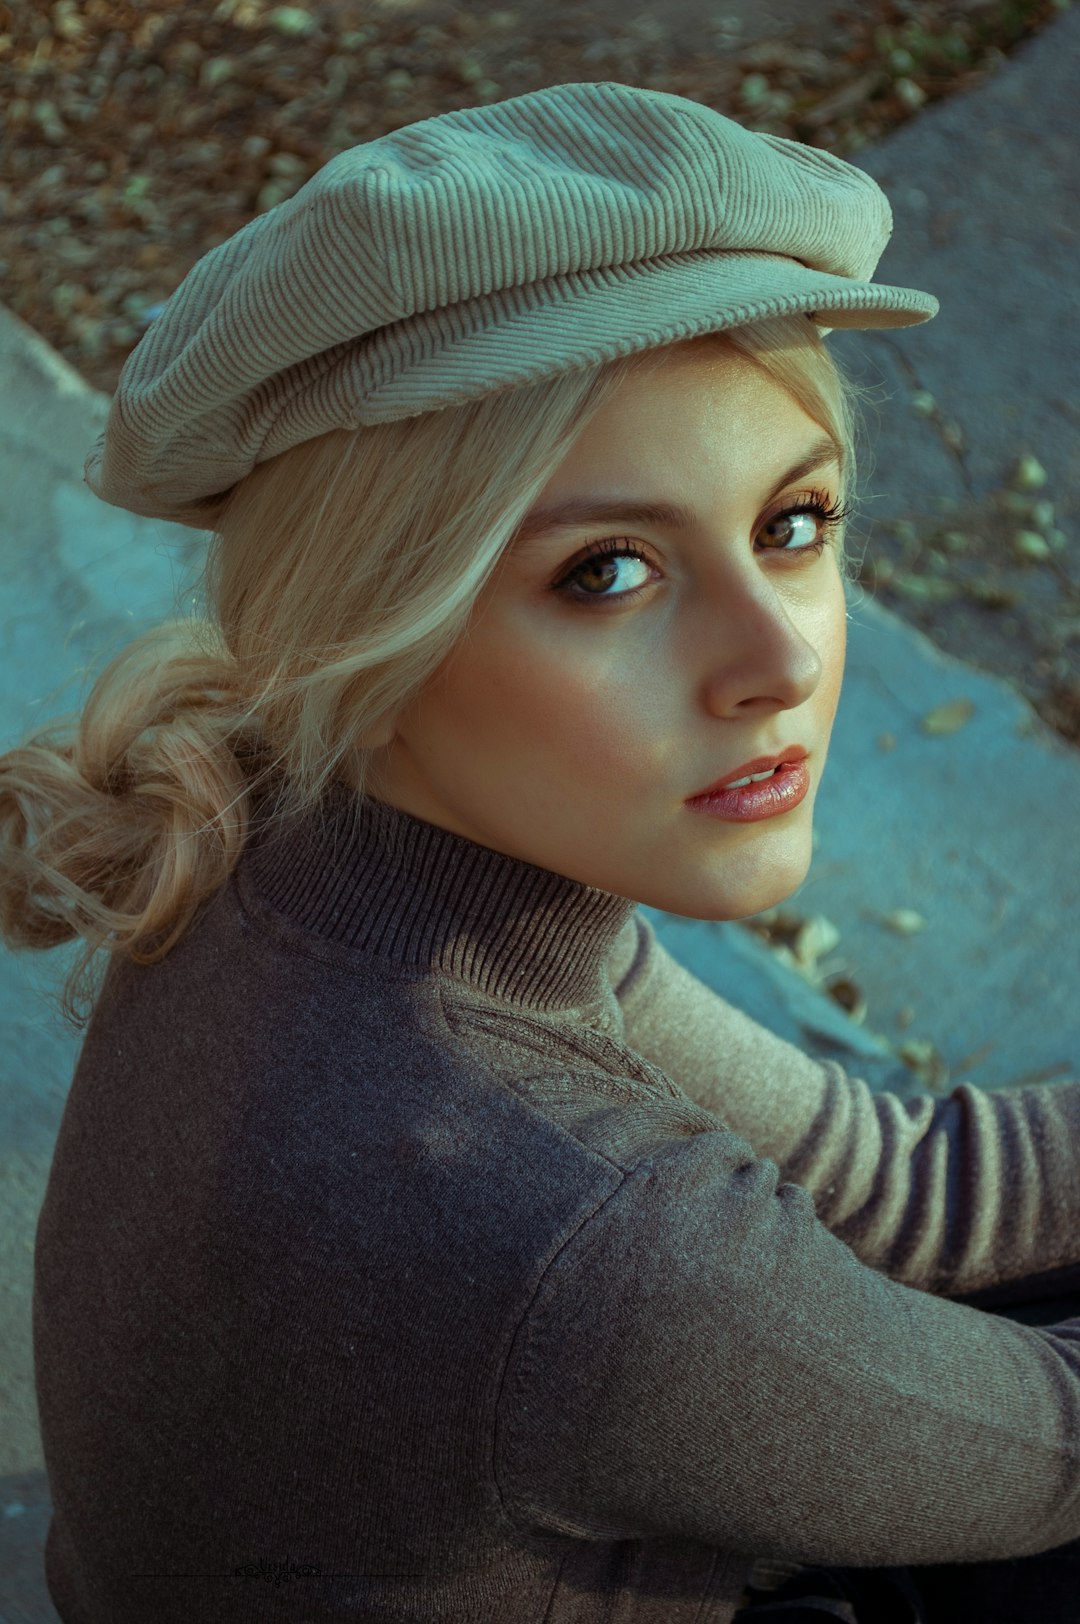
[596, 554]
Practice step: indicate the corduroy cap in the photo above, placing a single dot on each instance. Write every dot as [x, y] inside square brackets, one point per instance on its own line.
[474, 251]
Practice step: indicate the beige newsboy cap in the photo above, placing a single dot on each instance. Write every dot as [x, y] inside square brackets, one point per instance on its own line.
[474, 251]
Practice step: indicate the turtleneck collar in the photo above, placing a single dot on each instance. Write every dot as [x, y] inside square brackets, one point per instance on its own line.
[360, 872]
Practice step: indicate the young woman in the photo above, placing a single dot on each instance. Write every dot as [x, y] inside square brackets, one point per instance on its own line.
[421, 1241]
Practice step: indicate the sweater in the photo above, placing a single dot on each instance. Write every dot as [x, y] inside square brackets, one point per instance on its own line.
[423, 1243]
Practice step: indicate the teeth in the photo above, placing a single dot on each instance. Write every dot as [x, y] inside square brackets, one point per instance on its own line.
[755, 778]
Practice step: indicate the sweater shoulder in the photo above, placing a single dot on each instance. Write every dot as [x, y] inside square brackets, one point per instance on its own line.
[580, 1080]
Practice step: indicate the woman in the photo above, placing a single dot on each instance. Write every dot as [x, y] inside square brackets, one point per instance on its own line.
[421, 1241]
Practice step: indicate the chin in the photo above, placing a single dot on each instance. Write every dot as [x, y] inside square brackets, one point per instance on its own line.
[739, 896]
[729, 904]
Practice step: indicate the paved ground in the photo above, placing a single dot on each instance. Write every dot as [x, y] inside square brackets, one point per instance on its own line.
[985, 191]
[973, 830]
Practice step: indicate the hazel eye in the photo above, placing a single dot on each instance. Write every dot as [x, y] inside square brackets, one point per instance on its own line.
[806, 520]
[822, 517]
[600, 563]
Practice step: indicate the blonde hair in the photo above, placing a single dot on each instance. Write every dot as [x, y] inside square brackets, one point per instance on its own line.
[340, 575]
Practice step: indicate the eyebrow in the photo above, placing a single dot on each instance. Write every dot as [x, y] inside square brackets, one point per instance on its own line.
[568, 515]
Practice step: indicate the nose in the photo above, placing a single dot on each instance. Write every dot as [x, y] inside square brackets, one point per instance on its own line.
[753, 645]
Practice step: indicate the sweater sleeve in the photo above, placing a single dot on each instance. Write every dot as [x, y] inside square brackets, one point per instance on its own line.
[952, 1194]
[704, 1359]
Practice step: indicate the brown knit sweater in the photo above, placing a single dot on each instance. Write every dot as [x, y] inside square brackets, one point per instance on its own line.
[423, 1243]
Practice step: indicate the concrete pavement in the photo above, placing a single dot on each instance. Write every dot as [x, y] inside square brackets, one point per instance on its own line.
[973, 830]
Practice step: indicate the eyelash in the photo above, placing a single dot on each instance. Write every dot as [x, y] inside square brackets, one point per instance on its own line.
[829, 513]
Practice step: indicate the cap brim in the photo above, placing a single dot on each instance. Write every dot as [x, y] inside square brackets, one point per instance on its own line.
[520, 335]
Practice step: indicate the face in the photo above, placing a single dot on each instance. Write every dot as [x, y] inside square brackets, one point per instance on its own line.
[593, 695]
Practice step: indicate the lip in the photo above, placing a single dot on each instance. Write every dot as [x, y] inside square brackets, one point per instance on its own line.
[760, 764]
[783, 792]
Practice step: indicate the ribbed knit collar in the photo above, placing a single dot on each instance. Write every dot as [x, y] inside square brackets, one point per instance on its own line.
[417, 895]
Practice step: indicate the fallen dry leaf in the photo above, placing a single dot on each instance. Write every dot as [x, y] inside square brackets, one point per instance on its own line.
[904, 921]
[926, 1061]
[816, 937]
[850, 996]
[1029, 474]
[949, 718]
[1029, 544]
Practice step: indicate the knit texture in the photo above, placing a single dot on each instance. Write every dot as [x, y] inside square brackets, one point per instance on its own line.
[475, 251]
[423, 1243]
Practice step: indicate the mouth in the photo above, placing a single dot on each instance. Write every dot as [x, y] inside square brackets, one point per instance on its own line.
[756, 771]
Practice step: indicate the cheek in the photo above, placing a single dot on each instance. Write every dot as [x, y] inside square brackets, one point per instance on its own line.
[525, 696]
[832, 645]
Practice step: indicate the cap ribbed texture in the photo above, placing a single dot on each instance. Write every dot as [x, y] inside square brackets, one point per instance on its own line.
[419, 896]
[478, 250]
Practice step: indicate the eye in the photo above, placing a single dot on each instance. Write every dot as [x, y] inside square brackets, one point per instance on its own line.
[598, 562]
[827, 514]
[799, 530]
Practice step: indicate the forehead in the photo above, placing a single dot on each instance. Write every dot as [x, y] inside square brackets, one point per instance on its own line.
[691, 421]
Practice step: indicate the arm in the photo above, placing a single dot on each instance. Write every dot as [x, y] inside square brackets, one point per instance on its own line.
[952, 1195]
[702, 1358]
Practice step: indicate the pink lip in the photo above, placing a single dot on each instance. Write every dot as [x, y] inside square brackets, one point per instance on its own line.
[786, 789]
[760, 764]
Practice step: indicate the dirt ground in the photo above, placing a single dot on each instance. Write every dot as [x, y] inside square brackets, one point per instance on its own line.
[136, 138]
